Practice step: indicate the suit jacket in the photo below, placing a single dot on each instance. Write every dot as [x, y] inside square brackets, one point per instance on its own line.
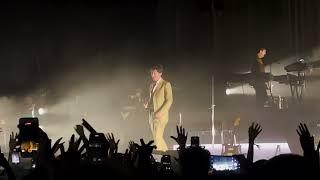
[162, 98]
[259, 77]
[257, 67]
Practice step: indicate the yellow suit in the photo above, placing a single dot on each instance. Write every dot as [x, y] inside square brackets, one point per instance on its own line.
[161, 99]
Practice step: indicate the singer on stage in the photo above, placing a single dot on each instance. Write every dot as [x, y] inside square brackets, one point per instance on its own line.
[158, 106]
[258, 69]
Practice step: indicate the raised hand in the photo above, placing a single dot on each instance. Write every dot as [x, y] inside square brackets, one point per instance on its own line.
[72, 156]
[113, 144]
[56, 146]
[307, 144]
[12, 141]
[306, 140]
[144, 155]
[132, 146]
[146, 149]
[74, 144]
[254, 130]
[131, 153]
[133, 149]
[182, 137]
[79, 129]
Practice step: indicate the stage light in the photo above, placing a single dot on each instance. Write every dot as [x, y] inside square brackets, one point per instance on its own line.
[228, 92]
[42, 111]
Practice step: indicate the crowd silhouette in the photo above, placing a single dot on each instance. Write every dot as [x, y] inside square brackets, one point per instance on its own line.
[97, 157]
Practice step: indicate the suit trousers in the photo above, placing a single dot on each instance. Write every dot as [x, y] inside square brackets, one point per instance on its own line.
[157, 127]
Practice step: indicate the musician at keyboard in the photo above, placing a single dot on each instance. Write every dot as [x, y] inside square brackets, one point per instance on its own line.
[259, 75]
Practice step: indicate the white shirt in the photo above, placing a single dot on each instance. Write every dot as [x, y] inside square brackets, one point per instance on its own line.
[154, 88]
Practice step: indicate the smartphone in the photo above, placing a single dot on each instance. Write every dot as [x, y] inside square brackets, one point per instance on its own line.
[28, 136]
[224, 163]
[195, 142]
[166, 160]
[97, 150]
[28, 129]
[166, 166]
[15, 159]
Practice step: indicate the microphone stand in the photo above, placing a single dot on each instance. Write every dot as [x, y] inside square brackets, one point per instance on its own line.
[270, 84]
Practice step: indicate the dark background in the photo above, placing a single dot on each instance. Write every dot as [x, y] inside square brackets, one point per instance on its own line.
[196, 38]
[72, 47]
